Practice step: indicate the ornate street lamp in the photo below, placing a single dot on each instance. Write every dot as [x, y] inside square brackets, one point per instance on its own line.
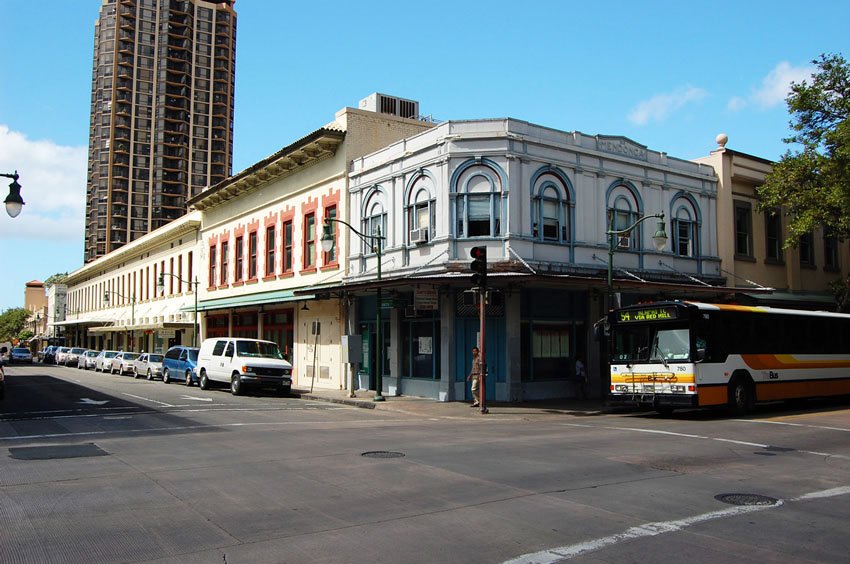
[160, 286]
[14, 202]
[659, 239]
[328, 242]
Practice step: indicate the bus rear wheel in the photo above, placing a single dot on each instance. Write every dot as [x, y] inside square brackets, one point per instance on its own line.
[741, 397]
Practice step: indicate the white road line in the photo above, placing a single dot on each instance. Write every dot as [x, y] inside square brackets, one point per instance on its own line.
[788, 424]
[163, 404]
[690, 436]
[652, 529]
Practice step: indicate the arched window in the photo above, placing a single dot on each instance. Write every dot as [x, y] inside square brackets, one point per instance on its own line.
[374, 221]
[420, 211]
[625, 215]
[478, 200]
[550, 207]
[685, 226]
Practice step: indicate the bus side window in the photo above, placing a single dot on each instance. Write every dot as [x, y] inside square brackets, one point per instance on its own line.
[701, 346]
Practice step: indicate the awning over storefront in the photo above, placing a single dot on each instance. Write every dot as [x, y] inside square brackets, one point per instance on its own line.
[792, 299]
[141, 327]
[69, 322]
[278, 296]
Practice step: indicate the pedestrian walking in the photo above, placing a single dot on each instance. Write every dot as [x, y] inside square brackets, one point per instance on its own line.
[475, 377]
[581, 379]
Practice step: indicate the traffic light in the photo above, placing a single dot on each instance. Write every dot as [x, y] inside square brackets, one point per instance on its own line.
[479, 266]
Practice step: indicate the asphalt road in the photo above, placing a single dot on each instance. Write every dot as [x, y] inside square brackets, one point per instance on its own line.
[105, 468]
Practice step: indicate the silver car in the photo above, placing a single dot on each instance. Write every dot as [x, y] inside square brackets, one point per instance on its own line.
[73, 356]
[122, 363]
[62, 354]
[104, 360]
[87, 359]
[148, 365]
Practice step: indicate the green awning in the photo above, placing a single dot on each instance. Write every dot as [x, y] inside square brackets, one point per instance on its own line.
[276, 297]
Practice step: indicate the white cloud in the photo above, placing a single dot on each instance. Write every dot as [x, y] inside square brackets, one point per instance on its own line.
[660, 106]
[736, 104]
[777, 84]
[53, 181]
[774, 87]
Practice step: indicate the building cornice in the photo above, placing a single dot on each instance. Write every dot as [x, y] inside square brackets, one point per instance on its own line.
[319, 145]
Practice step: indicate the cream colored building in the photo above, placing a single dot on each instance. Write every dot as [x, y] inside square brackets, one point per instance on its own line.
[750, 241]
[260, 241]
[114, 302]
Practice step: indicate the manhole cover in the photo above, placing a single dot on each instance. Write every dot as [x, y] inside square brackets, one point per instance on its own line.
[746, 499]
[57, 451]
[382, 454]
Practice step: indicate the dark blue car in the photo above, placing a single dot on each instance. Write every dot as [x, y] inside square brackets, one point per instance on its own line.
[180, 363]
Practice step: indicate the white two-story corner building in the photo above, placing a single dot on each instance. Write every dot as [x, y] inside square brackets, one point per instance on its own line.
[539, 200]
[250, 261]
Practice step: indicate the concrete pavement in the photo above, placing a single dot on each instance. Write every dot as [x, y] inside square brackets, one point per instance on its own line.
[432, 408]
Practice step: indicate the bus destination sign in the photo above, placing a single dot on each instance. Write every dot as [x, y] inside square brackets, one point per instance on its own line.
[664, 313]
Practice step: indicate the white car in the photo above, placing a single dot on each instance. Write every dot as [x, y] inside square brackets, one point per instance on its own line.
[104, 360]
[87, 359]
[122, 363]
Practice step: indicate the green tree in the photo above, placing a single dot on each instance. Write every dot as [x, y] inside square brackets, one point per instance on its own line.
[57, 278]
[812, 185]
[12, 322]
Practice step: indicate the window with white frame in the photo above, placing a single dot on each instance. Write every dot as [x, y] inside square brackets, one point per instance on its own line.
[685, 230]
[552, 214]
[624, 215]
[421, 213]
[374, 224]
[478, 202]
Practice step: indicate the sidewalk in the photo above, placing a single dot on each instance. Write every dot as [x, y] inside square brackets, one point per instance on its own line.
[425, 407]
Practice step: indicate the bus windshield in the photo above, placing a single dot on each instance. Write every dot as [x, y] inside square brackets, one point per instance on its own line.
[651, 343]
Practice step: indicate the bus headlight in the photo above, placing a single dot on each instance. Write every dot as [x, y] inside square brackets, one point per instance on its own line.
[677, 389]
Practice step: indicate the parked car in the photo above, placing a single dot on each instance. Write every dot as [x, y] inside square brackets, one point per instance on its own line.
[61, 354]
[104, 360]
[2, 382]
[180, 363]
[73, 356]
[148, 365]
[243, 363]
[49, 356]
[122, 363]
[21, 355]
[87, 359]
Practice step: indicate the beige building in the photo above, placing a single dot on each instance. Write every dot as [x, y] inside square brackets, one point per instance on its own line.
[750, 242]
[115, 302]
[260, 240]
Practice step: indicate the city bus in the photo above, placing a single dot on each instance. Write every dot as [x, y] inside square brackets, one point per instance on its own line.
[682, 354]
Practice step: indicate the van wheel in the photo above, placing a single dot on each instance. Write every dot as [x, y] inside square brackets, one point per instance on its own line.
[741, 397]
[188, 378]
[166, 377]
[235, 386]
[205, 382]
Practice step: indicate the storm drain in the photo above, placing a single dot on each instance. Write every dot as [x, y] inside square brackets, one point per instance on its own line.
[746, 499]
[56, 451]
[382, 454]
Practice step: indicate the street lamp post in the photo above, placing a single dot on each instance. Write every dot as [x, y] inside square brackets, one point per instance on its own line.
[160, 286]
[328, 242]
[14, 202]
[659, 240]
[132, 308]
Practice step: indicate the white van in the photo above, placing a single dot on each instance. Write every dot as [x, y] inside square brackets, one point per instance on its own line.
[243, 363]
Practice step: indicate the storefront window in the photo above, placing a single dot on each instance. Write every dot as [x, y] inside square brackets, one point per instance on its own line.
[420, 342]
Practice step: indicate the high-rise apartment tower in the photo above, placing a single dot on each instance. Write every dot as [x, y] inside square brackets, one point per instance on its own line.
[161, 114]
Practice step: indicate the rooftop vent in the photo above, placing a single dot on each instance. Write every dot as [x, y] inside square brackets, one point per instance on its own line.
[392, 105]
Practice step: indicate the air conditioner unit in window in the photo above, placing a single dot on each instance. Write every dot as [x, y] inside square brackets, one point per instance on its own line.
[419, 236]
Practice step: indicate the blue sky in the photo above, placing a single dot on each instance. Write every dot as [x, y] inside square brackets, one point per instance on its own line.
[665, 74]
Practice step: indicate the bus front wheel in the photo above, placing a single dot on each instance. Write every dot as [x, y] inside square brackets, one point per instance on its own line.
[741, 397]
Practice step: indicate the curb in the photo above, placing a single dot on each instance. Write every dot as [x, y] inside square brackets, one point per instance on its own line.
[344, 401]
